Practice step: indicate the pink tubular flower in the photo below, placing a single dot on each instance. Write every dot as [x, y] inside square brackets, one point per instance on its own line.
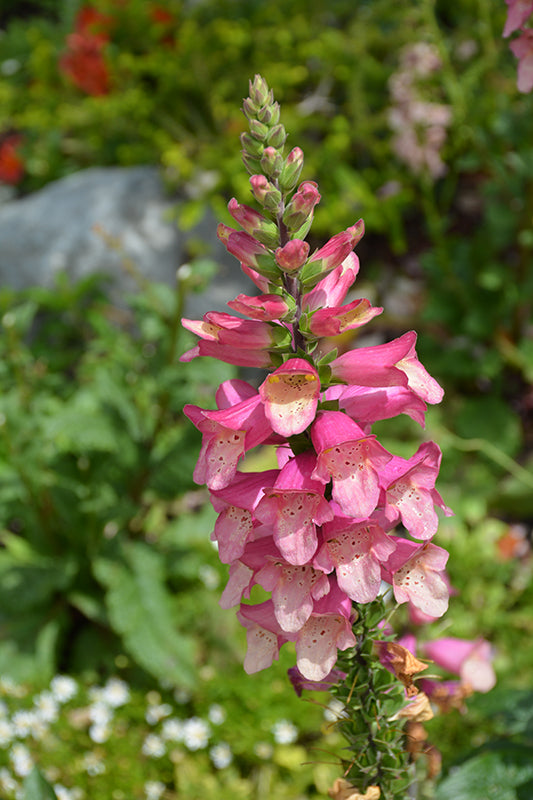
[245, 247]
[328, 629]
[242, 333]
[519, 11]
[292, 256]
[290, 395]
[293, 507]
[235, 503]
[250, 220]
[415, 572]
[392, 364]
[337, 320]
[522, 48]
[333, 253]
[294, 588]
[332, 289]
[367, 404]
[227, 434]
[355, 550]
[472, 661]
[410, 493]
[351, 459]
[264, 635]
[266, 307]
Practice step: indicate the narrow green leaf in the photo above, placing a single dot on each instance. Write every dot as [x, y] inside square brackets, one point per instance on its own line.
[36, 787]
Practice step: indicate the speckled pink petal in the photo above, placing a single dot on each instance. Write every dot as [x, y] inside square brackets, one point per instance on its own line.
[291, 516]
[425, 588]
[290, 396]
[293, 595]
[222, 454]
[415, 507]
[317, 644]
[240, 577]
[352, 466]
[233, 528]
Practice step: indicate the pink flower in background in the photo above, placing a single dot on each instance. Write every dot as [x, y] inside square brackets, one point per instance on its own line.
[519, 13]
[470, 660]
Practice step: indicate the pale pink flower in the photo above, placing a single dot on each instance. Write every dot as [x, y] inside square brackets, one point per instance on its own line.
[351, 460]
[522, 48]
[519, 11]
[355, 550]
[416, 574]
[293, 588]
[293, 507]
[290, 396]
[471, 660]
[409, 491]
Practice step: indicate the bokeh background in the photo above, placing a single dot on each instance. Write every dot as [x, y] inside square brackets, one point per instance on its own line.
[409, 117]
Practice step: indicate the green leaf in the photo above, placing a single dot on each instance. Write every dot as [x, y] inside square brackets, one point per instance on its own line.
[36, 787]
[140, 609]
[492, 775]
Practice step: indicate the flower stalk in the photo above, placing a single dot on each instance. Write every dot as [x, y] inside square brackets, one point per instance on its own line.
[319, 532]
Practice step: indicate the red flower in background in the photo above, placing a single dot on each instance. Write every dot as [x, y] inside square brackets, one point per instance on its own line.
[11, 164]
[83, 62]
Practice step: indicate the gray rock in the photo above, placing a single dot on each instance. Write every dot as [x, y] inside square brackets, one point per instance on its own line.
[107, 220]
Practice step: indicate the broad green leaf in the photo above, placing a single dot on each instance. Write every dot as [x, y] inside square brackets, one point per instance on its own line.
[140, 610]
[28, 647]
[495, 774]
[36, 787]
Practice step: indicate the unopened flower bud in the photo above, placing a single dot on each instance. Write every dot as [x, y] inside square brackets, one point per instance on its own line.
[291, 170]
[251, 163]
[259, 130]
[259, 91]
[271, 162]
[264, 230]
[292, 256]
[270, 114]
[277, 136]
[249, 109]
[251, 145]
[264, 112]
[265, 192]
[301, 206]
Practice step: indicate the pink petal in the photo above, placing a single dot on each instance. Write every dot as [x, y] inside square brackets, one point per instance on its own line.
[290, 395]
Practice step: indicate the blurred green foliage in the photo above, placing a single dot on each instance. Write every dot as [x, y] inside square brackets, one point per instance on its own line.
[98, 508]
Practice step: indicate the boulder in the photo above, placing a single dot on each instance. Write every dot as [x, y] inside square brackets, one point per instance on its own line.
[108, 220]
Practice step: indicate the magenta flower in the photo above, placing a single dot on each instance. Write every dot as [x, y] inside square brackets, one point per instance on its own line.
[351, 460]
[522, 48]
[337, 320]
[292, 256]
[472, 661]
[294, 588]
[367, 404]
[518, 13]
[332, 289]
[290, 396]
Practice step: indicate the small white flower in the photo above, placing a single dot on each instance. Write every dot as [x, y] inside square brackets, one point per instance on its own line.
[21, 760]
[335, 710]
[93, 764]
[6, 732]
[46, 706]
[173, 730]
[63, 688]
[100, 713]
[196, 733]
[7, 781]
[100, 732]
[24, 723]
[182, 696]
[209, 576]
[3, 709]
[216, 714]
[153, 790]
[155, 714]
[116, 692]
[9, 66]
[284, 732]
[153, 746]
[62, 792]
[263, 750]
[221, 755]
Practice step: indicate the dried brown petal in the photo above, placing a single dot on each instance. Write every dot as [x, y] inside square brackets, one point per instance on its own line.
[342, 790]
